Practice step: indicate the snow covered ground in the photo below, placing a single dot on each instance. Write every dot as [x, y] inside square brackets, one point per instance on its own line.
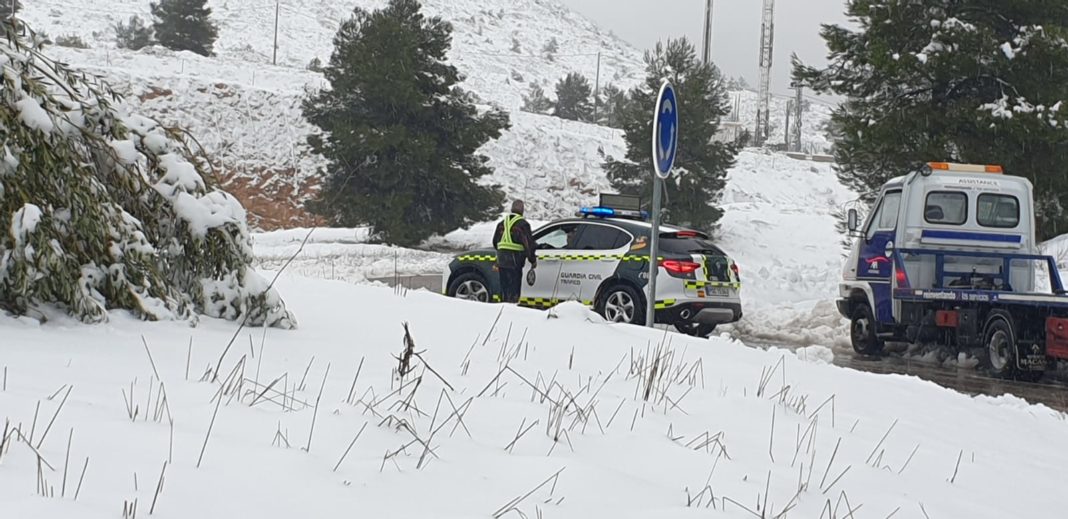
[314, 421]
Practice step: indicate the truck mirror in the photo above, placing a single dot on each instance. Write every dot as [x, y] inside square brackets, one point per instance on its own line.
[853, 220]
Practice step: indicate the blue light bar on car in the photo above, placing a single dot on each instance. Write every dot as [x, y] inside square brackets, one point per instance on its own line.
[608, 212]
[598, 211]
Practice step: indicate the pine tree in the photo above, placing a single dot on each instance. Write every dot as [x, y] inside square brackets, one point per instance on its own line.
[701, 164]
[133, 35]
[536, 102]
[550, 49]
[973, 82]
[185, 25]
[613, 107]
[9, 8]
[573, 98]
[400, 137]
[103, 209]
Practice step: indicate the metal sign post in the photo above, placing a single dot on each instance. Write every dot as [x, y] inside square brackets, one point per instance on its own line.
[665, 145]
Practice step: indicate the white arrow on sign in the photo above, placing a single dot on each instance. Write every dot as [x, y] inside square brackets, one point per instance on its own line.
[667, 109]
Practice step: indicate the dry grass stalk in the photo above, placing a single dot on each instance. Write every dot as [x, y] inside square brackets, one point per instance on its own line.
[159, 489]
[315, 412]
[511, 505]
[81, 479]
[346, 453]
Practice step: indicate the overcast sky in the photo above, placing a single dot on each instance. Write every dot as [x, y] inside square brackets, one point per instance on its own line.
[736, 30]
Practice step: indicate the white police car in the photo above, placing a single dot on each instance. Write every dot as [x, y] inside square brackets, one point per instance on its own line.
[601, 260]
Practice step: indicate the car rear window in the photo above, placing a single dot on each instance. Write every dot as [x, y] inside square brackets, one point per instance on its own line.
[998, 211]
[671, 245]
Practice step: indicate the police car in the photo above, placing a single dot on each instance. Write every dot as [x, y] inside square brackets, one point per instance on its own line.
[600, 258]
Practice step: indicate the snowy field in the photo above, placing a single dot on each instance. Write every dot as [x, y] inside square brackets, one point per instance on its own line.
[518, 414]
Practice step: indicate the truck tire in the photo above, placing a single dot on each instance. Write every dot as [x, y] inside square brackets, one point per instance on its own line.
[622, 304]
[862, 331]
[999, 354]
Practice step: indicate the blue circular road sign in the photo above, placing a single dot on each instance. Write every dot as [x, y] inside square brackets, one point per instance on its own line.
[665, 130]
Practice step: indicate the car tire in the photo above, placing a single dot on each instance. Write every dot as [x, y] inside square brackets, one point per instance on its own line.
[862, 331]
[696, 329]
[471, 287]
[622, 304]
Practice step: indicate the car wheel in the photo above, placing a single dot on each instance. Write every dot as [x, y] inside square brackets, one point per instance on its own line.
[862, 331]
[470, 286]
[695, 329]
[622, 304]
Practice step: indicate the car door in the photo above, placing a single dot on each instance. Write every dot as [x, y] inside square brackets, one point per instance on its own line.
[875, 264]
[576, 272]
[554, 243]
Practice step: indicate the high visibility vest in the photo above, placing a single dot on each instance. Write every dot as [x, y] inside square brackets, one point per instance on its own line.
[507, 243]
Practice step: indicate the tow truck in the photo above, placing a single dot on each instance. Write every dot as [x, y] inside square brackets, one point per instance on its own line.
[948, 256]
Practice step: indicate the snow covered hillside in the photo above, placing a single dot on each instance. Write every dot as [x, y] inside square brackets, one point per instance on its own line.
[501, 415]
[246, 113]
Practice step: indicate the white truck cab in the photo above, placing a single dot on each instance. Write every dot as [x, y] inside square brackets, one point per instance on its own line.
[950, 242]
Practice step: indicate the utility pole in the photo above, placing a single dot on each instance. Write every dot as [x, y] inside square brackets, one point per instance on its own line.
[597, 88]
[706, 53]
[798, 112]
[788, 131]
[767, 47]
[277, 8]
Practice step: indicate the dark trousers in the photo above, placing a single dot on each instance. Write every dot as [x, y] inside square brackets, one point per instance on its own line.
[511, 284]
[510, 264]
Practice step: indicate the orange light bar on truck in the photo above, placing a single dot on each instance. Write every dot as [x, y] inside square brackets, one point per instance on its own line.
[964, 168]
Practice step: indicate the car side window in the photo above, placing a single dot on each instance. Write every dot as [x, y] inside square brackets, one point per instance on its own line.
[601, 237]
[557, 237]
[885, 218]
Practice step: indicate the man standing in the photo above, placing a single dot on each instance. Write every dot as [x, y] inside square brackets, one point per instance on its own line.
[514, 242]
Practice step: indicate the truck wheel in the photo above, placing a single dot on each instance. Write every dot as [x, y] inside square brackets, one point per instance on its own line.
[696, 329]
[470, 286]
[999, 354]
[862, 331]
[622, 304]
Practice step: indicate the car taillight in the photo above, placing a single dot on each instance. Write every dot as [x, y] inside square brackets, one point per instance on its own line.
[680, 267]
[737, 271]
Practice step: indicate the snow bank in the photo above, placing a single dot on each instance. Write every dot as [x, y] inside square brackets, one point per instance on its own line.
[295, 432]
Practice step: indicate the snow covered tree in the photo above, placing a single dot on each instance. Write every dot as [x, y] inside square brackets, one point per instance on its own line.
[613, 107]
[185, 25]
[133, 35]
[9, 8]
[942, 80]
[573, 98]
[536, 102]
[550, 49]
[701, 164]
[400, 137]
[103, 209]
